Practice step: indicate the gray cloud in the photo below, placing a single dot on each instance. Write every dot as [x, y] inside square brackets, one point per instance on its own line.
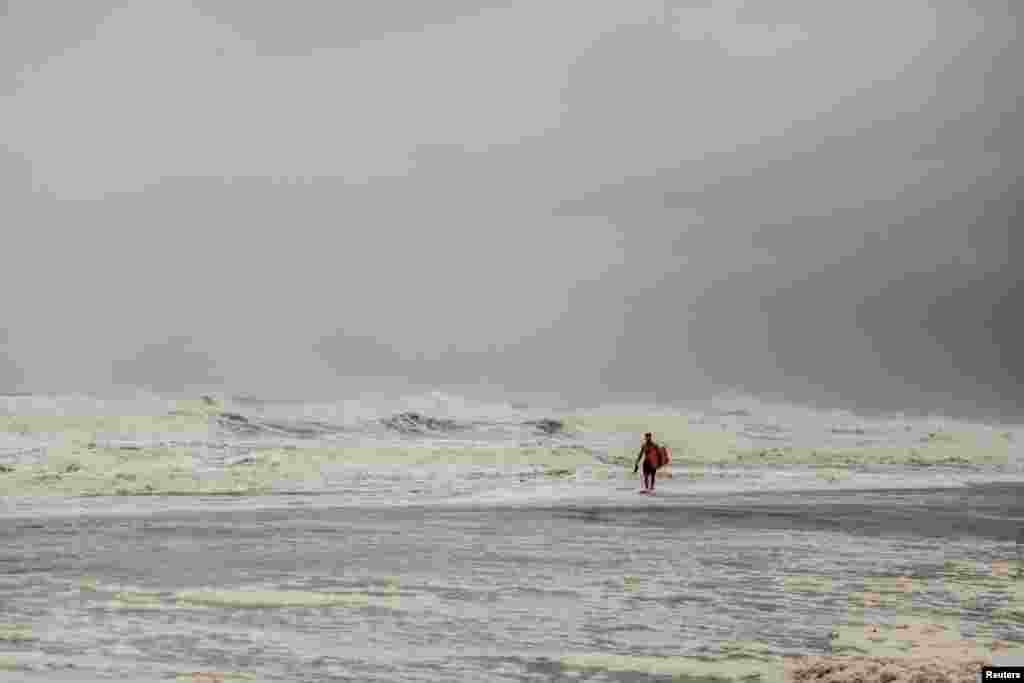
[742, 196]
[278, 29]
[861, 258]
[29, 35]
[11, 376]
[171, 366]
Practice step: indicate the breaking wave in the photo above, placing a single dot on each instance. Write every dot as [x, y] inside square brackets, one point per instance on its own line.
[438, 445]
[415, 423]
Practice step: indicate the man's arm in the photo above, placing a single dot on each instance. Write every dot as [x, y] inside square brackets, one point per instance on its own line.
[636, 465]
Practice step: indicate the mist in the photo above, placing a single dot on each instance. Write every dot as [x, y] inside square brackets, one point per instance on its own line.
[594, 199]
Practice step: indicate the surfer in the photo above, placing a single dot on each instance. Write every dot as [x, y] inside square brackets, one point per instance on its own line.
[651, 453]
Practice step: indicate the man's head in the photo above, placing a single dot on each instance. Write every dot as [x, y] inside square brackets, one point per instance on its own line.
[647, 436]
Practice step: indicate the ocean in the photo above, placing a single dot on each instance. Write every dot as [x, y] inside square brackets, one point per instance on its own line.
[431, 537]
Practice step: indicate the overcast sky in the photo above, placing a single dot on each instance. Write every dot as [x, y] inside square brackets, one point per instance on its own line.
[805, 199]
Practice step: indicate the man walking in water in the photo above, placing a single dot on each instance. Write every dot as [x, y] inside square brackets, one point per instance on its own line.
[651, 453]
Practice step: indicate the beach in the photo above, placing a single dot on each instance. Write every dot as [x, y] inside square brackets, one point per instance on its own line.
[288, 543]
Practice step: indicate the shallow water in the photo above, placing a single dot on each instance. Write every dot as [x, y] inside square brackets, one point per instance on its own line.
[474, 593]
